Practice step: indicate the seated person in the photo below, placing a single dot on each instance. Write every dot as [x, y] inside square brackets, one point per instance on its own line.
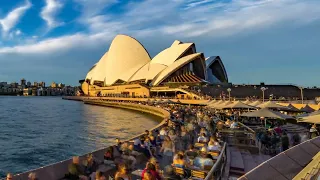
[108, 155]
[191, 152]
[122, 172]
[155, 162]
[126, 155]
[220, 125]
[179, 161]
[152, 169]
[90, 164]
[132, 152]
[163, 132]
[213, 144]
[118, 144]
[137, 144]
[202, 161]
[75, 169]
[202, 138]
[203, 130]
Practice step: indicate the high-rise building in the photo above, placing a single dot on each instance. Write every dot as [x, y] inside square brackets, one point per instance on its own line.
[60, 85]
[42, 84]
[23, 82]
[28, 84]
[35, 84]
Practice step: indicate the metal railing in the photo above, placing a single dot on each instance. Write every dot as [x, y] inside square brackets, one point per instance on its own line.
[217, 170]
[242, 136]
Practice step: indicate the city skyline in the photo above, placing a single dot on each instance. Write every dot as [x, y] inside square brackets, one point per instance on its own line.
[259, 41]
[32, 82]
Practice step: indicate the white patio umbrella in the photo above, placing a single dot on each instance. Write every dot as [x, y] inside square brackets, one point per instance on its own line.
[167, 101]
[272, 105]
[240, 105]
[312, 119]
[247, 102]
[267, 113]
[223, 105]
[255, 103]
[213, 105]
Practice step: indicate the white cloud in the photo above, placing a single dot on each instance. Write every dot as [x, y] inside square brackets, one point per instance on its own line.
[18, 32]
[60, 44]
[49, 11]
[14, 16]
[93, 7]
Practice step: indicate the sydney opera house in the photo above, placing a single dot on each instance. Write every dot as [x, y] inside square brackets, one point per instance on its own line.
[127, 69]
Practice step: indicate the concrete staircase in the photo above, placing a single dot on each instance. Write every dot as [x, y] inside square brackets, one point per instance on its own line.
[241, 161]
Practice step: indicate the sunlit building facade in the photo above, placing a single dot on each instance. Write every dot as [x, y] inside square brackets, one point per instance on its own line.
[128, 66]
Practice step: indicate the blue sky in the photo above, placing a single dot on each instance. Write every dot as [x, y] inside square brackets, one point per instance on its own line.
[271, 41]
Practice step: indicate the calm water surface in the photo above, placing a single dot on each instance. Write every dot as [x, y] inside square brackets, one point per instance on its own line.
[37, 131]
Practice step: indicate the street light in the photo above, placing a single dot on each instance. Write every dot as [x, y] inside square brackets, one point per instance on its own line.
[229, 91]
[263, 89]
[301, 90]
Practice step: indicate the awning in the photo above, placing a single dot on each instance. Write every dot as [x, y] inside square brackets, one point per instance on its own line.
[267, 113]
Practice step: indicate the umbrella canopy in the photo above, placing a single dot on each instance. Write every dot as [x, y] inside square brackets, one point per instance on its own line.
[308, 114]
[267, 113]
[307, 109]
[312, 119]
[256, 103]
[212, 102]
[216, 103]
[167, 101]
[272, 105]
[159, 101]
[247, 102]
[240, 105]
[223, 105]
[292, 108]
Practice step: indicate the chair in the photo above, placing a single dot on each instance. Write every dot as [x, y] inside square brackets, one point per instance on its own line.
[179, 171]
[214, 153]
[198, 174]
[198, 145]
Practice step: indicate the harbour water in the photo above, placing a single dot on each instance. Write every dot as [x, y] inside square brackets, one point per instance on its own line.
[38, 131]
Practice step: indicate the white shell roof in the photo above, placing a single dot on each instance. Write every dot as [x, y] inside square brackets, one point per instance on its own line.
[148, 71]
[173, 67]
[125, 55]
[171, 54]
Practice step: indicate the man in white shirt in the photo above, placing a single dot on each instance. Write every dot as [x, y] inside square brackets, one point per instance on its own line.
[202, 138]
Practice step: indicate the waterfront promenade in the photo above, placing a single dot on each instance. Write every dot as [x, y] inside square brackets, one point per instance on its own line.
[217, 171]
[59, 169]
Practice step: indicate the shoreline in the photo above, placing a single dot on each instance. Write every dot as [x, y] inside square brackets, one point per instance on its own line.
[59, 169]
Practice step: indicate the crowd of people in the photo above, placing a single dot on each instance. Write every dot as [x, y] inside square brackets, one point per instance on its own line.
[187, 142]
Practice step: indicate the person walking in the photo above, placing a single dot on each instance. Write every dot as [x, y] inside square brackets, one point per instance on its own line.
[313, 131]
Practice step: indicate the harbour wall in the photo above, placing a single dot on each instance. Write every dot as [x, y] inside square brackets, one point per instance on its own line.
[58, 170]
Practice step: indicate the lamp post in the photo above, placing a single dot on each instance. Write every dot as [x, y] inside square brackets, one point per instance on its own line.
[229, 91]
[301, 90]
[263, 89]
